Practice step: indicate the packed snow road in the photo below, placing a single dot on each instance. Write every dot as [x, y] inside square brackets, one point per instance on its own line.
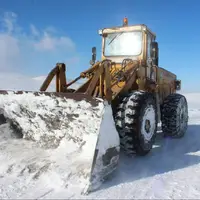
[171, 170]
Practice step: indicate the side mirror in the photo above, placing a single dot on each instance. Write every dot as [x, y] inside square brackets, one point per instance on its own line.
[178, 84]
[92, 62]
[154, 52]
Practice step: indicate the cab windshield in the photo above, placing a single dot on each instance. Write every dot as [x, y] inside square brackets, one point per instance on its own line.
[123, 44]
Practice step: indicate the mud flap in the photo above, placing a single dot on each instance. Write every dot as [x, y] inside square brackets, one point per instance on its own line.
[77, 127]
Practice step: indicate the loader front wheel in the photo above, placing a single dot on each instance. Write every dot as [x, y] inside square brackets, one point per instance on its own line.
[136, 122]
[174, 116]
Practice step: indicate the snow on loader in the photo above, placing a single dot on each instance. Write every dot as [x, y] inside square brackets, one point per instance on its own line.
[127, 90]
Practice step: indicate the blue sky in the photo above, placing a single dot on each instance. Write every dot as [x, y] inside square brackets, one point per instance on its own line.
[75, 24]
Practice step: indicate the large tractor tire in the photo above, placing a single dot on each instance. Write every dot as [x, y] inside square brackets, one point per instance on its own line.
[174, 116]
[136, 122]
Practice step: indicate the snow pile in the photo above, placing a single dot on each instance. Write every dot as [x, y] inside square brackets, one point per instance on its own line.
[48, 119]
[71, 126]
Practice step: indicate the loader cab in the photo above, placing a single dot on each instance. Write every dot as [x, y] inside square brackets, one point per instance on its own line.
[135, 42]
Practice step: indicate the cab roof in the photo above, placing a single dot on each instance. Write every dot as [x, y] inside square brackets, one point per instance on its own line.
[138, 27]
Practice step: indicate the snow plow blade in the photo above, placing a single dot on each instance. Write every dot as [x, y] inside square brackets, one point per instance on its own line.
[82, 125]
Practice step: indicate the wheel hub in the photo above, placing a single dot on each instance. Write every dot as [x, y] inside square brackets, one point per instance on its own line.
[147, 125]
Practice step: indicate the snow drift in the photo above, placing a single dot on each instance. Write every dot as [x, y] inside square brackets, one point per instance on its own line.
[60, 136]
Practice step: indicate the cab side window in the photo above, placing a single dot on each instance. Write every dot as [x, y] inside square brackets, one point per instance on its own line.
[150, 71]
[149, 40]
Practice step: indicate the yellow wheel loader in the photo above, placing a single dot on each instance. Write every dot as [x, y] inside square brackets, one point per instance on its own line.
[127, 89]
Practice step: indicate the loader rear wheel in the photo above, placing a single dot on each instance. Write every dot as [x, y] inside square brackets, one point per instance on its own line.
[174, 115]
[136, 122]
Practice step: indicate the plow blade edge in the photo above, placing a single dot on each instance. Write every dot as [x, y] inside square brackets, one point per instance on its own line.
[74, 125]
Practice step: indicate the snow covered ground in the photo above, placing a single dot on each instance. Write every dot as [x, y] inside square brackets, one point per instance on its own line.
[171, 170]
